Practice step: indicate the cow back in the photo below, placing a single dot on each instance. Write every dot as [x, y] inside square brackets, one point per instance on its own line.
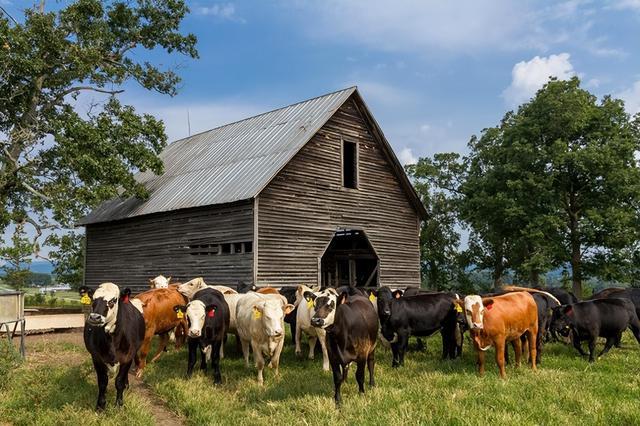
[157, 308]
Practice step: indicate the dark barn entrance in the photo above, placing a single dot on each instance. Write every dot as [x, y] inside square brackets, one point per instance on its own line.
[350, 260]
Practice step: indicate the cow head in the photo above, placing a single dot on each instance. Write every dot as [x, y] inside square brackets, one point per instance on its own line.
[385, 298]
[325, 305]
[159, 282]
[271, 314]
[197, 314]
[474, 310]
[562, 319]
[104, 308]
[190, 288]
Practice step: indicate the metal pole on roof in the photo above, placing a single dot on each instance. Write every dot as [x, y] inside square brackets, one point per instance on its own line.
[188, 122]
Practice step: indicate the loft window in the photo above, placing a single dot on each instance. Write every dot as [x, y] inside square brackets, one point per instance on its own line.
[248, 247]
[349, 164]
[226, 248]
[237, 248]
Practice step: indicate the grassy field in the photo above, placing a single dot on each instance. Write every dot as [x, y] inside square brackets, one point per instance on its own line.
[56, 385]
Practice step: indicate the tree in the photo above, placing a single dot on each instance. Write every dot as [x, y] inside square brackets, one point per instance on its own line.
[570, 171]
[16, 263]
[57, 161]
[436, 181]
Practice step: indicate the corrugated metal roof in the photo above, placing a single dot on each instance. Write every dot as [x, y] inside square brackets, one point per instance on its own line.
[229, 163]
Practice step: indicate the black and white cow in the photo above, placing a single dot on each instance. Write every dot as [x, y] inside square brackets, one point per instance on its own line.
[113, 334]
[208, 318]
[421, 315]
[351, 327]
[591, 319]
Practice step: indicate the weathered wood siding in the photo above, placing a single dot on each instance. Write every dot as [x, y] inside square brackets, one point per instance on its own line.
[131, 251]
[300, 210]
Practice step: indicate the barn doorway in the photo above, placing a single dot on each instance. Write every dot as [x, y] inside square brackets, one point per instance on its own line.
[350, 260]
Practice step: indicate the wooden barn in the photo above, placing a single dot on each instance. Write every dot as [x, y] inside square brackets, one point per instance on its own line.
[306, 194]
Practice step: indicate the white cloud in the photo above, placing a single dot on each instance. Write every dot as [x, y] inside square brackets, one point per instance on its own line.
[406, 157]
[529, 76]
[220, 10]
[631, 98]
[375, 92]
[627, 4]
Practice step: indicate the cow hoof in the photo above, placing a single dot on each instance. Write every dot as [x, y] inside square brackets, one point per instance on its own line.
[299, 354]
[139, 374]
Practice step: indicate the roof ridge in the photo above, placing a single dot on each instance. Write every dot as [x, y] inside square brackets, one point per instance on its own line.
[264, 113]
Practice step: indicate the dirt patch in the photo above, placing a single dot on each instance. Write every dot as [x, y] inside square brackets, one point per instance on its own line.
[163, 417]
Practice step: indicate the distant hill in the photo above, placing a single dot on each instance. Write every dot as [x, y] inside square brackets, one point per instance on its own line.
[41, 266]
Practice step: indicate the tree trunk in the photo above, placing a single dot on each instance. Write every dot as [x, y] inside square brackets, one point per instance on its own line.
[498, 269]
[534, 278]
[576, 267]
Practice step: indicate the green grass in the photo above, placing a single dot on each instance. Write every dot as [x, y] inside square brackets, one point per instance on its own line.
[426, 390]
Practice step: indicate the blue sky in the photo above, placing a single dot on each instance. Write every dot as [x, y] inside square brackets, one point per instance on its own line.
[433, 72]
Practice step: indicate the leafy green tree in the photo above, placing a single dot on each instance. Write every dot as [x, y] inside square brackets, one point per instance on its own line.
[586, 179]
[16, 259]
[56, 160]
[436, 180]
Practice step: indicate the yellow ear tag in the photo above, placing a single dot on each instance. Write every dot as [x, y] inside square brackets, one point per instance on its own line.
[309, 304]
[180, 315]
[458, 308]
[85, 300]
[372, 297]
[257, 314]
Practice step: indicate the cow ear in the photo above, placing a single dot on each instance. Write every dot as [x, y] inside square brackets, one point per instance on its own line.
[168, 280]
[374, 292]
[210, 310]
[288, 308]
[458, 305]
[397, 294]
[309, 296]
[179, 308]
[343, 298]
[488, 303]
[568, 310]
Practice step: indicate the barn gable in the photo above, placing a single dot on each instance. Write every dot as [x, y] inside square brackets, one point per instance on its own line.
[236, 161]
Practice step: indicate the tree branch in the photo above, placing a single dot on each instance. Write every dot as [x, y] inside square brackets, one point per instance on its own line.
[7, 13]
[35, 191]
[78, 89]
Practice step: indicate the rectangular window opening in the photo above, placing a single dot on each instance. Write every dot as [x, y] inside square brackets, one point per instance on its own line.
[225, 248]
[248, 247]
[350, 164]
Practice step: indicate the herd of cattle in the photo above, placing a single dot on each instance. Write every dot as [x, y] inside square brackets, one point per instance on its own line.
[346, 321]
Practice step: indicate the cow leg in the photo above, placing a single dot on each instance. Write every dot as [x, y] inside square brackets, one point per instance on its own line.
[338, 377]
[608, 345]
[191, 360]
[576, 343]
[480, 362]
[215, 361]
[325, 354]
[371, 362]
[420, 346]
[312, 346]
[500, 346]
[259, 360]
[296, 340]
[532, 338]
[245, 351]
[103, 379]
[506, 354]
[275, 359]
[121, 382]
[162, 346]
[395, 349]
[403, 343]
[360, 365]
[592, 349]
[634, 326]
[517, 349]
[144, 351]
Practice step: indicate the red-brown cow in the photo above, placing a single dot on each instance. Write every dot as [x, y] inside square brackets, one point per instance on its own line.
[160, 319]
[494, 321]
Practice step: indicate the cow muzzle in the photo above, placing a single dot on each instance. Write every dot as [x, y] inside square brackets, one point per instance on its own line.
[477, 326]
[194, 333]
[317, 322]
[276, 333]
[96, 320]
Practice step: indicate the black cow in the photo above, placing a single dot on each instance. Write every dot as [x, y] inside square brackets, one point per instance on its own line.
[113, 334]
[291, 317]
[208, 317]
[591, 319]
[351, 337]
[420, 315]
[564, 297]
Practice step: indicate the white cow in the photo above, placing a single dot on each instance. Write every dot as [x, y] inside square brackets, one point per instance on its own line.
[159, 282]
[260, 322]
[190, 288]
[305, 312]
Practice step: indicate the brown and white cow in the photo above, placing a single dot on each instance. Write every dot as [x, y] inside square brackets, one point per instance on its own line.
[260, 323]
[159, 319]
[494, 321]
